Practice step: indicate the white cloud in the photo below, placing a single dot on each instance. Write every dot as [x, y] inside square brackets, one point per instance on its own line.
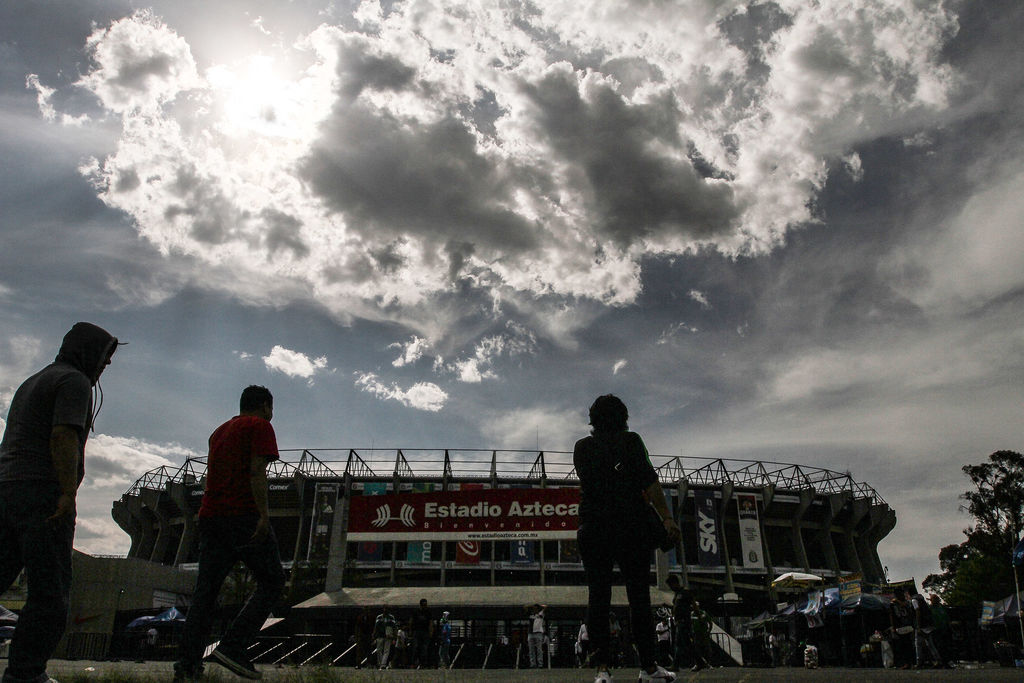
[517, 340]
[450, 148]
[141, 64]
[978, 254]
[422, 395]
[294, 363]
[701, 298]
[619, 365]
[543, 427]
[412, 351]
[670, 332]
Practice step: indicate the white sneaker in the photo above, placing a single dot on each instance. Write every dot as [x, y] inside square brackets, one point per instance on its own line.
[659, 676]
[604, 677]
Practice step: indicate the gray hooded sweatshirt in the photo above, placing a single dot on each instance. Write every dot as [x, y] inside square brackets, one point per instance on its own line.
[59, 394]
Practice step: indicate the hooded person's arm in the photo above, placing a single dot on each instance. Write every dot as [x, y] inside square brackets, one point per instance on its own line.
[64, 453]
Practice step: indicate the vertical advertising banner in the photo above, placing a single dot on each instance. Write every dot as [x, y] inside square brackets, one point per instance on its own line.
[372, 551]
[709, 546]
[568, 552]
[418, 552]
[750, 532]
[467, 552]
[521, 552]
[325, 502]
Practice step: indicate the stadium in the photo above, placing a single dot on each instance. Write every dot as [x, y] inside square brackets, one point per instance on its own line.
[484, 533]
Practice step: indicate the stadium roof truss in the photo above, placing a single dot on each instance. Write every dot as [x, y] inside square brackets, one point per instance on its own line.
[543, 467]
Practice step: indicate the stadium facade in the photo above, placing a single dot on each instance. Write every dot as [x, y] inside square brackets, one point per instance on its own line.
[450, 518]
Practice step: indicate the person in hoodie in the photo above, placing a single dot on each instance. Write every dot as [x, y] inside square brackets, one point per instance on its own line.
[42, 464]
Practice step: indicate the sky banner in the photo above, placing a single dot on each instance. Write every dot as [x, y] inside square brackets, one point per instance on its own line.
[709, 550]
[474, 515]
[750, 532]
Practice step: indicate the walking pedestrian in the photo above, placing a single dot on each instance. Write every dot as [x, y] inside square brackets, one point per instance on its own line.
[234, 525]
[42, 464]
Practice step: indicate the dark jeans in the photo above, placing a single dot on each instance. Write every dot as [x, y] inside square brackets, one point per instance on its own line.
[223, 541]
[601, 549]
[28, 541]
[421, 648]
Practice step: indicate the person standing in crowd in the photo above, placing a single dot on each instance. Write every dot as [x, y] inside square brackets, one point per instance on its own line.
[385, 632]
[663, 630]
[582, 646]
[535, 641]
[42, 464]
[234, 525]
[364, 636]
[700, 627]
[422, 633]
[681, 604]
[617, 481]
[446, 642]
[941, 636]
[901, 619]
[924, 646]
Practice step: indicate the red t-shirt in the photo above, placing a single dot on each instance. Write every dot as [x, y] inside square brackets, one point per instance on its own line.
[228, 467]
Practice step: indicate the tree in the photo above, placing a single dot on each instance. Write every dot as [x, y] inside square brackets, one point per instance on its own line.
[979, 568]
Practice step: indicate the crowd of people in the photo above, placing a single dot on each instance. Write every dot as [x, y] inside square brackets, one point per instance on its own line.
[417, 642]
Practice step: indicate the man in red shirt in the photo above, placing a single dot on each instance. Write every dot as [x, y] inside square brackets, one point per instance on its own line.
[234, 524]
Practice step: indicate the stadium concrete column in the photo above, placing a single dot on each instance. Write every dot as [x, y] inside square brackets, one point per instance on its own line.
[151, 498]
[682, 490]
[338, 553]
[179, 496]
[833, 508]
[147, 535]
[131, 524]
[300, 489]
[726, 490]
[806, 498]
[859, 507]
[494, 485]
[881, 520]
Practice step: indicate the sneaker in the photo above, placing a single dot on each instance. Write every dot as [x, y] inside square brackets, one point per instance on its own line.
[237, 663]
[604, 677]
[660, 675]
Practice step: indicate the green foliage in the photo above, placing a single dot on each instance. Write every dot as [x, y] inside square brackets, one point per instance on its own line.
[979, 568]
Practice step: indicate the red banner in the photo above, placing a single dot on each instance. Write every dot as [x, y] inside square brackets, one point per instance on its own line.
[467, 552]
[470, 515]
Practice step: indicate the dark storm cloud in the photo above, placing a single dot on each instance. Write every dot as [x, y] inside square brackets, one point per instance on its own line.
[283, 232]
[392, 178]
[637, 192]
[359, 69]
[211, 217]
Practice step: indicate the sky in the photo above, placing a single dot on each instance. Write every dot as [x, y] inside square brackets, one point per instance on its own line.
[782, 231]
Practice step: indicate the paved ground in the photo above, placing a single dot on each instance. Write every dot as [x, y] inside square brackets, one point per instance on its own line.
[84, 671]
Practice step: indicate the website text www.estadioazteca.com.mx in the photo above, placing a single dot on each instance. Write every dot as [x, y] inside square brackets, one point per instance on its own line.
[501, 535]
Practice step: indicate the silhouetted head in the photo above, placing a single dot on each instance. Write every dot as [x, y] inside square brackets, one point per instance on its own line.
[256, 400]
[609, 414]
